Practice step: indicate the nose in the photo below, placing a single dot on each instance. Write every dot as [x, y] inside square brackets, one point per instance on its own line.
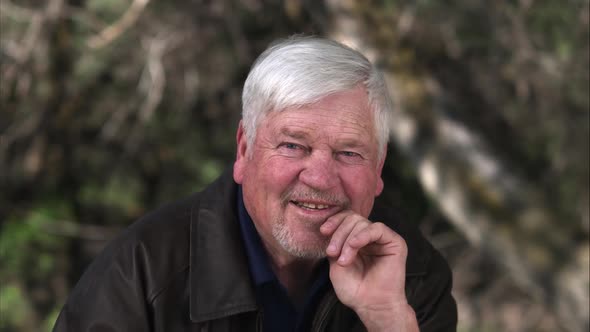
[320, 171]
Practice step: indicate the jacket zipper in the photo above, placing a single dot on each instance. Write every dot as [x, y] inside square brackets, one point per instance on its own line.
[325, 307]
[259, 317]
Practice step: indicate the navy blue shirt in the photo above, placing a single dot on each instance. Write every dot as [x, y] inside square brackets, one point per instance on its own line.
[278, 312]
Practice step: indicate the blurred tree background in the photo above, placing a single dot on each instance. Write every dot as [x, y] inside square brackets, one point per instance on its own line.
[110, 108]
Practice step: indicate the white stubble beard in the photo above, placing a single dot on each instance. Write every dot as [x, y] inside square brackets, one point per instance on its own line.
[286, 239]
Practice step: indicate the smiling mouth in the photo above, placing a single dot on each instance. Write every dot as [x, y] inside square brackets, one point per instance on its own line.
[311, 206]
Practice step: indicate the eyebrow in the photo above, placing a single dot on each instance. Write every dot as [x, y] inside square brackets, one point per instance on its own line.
[350, 143]
[298, 134]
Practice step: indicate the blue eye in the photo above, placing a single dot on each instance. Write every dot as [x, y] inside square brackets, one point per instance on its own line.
[291, 149]
[350, 157]
[350, 154]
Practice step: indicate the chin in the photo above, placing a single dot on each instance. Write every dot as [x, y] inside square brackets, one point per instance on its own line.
[304, 249]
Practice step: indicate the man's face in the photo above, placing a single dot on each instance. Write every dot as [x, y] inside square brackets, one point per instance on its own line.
[307, 164]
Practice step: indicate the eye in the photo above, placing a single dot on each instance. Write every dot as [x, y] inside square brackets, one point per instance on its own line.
[350, 156]
[290, 146]
[291, 149]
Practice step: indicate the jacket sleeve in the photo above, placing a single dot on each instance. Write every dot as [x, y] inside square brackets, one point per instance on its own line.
[110, 296]
[431, 298]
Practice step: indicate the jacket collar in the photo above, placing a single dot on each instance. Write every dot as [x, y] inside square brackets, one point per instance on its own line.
[220, 283]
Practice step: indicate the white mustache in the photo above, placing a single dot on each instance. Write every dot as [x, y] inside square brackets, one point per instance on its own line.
[314, 195]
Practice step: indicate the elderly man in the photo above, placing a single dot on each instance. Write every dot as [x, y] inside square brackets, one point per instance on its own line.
[291, 242]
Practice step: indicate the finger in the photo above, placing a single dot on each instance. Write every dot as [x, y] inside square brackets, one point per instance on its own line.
[332, 223]
[350, 223]
[377, 237]
[348, 253]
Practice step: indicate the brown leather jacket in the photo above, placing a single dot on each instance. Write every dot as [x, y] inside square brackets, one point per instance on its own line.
[183, 268]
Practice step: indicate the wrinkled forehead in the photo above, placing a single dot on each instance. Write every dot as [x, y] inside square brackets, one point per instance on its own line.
[352, 103]
[346, 114]
[321, 119]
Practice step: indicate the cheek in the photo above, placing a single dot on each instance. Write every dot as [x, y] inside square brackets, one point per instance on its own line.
[270, 179]
[361, 186]
[282, 170]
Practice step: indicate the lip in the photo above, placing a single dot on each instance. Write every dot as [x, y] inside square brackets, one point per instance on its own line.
[312, 204]
[314, 215]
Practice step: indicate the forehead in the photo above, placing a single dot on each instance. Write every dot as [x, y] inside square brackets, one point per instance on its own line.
[345, 113]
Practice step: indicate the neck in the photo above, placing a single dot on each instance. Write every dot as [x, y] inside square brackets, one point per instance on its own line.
[296, 275]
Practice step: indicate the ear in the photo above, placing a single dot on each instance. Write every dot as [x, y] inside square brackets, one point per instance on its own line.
[380, 184]
[241, 158]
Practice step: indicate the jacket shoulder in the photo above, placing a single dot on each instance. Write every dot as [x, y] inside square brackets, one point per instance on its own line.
[125, 278]
[158, 244]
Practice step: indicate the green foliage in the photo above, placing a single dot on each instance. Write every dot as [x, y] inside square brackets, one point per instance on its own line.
[14, 308]
[29, 251]
[20, 236]
[120, 192]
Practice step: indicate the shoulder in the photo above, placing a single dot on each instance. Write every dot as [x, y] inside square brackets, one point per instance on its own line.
[155, 250]
[134, 268]
[146, 266]
[165, 228]
[147, 254]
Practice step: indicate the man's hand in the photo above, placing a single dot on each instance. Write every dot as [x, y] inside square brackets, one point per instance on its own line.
[368, 271]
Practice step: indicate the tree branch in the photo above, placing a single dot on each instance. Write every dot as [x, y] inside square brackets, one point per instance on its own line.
[114, 30]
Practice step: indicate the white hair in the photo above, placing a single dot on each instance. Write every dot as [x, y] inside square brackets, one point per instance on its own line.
[302, 70]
